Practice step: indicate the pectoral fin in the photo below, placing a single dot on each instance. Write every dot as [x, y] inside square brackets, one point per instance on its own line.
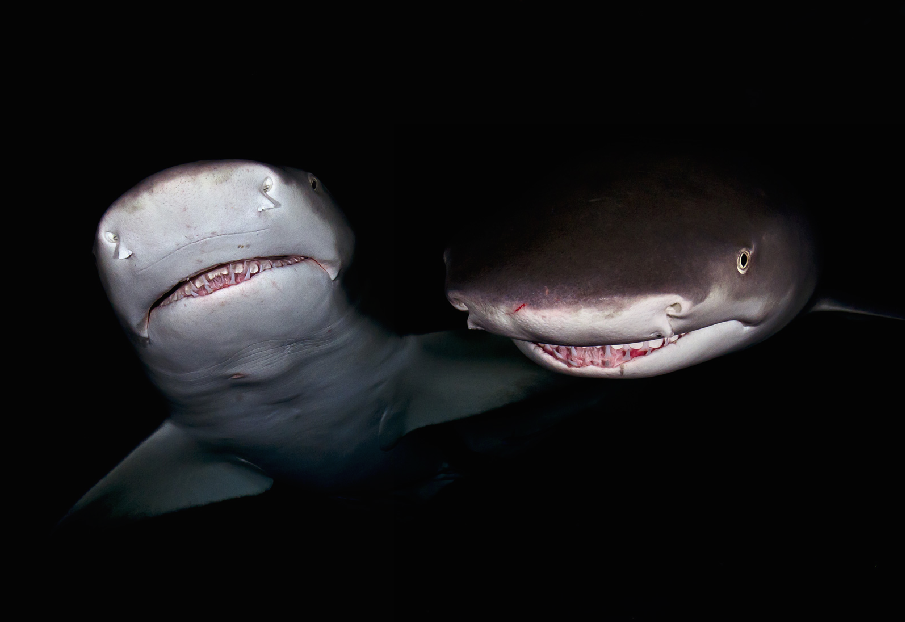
[169, 471]
[456, 375]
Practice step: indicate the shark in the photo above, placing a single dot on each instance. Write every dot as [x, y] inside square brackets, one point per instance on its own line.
[228, 279]
[636, 264]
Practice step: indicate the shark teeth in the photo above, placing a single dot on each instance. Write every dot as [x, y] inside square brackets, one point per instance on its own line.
[606, 356]
[225, 275]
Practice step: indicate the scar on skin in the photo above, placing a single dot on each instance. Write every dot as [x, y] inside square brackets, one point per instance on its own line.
[520, 307]
[236, 376]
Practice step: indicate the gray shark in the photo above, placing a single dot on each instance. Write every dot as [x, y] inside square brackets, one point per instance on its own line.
[227, 276]
[633, 266]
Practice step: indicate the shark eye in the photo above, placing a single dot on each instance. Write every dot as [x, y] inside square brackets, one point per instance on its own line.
[743, 261]
[268, 184]
[313, 181]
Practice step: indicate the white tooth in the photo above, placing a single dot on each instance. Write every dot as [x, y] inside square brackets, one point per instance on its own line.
[199, 282]
[232, 275]
[616, 347]
[674, 338]
[254, 267]
[608, 353]
[573, 351]
[266, 264]
[654, 343]
[636, 346]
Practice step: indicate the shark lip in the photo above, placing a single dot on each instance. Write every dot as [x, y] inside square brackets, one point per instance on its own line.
[215, 278]
[605, 356]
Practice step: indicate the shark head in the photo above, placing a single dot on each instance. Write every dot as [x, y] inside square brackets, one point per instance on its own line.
[637, 267]
[232, 248]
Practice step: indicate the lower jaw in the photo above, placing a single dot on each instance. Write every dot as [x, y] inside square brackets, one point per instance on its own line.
[602, 357]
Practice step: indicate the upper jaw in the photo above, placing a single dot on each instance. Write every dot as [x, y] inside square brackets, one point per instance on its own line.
[215, 278]
[605, 356]
[685, 349]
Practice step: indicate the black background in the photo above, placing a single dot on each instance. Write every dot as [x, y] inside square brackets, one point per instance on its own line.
[765, 476]
[765, 480]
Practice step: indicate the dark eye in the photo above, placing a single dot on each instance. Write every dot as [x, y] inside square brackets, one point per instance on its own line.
[744, 260]
[313, 181]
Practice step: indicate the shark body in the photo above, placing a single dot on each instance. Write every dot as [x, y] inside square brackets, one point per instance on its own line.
[639, 265]
[227, 278]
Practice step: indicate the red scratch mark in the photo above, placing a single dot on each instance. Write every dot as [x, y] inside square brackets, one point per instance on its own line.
[520, 307]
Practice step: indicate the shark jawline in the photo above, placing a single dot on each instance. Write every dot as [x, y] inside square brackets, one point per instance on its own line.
[222, 276]
[604, 356]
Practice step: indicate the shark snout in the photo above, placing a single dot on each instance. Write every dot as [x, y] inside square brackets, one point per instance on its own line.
[611, 321]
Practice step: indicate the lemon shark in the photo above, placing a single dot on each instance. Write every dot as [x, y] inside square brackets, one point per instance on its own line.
[227, 276]
[637, 265]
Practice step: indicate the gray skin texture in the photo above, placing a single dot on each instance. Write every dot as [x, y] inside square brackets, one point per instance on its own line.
[626, 249]
[278, 376]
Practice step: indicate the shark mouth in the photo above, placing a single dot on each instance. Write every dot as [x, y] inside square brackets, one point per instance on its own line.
[604, 356]
[225, 275]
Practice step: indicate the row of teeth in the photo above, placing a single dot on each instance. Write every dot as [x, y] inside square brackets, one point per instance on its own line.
[605, 356]
[226, 275]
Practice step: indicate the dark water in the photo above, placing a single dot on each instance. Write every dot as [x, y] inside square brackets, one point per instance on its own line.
[764, 480]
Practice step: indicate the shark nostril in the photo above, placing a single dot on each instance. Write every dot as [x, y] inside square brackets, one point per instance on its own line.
[457, 302]
[674, 308]
[119, 251]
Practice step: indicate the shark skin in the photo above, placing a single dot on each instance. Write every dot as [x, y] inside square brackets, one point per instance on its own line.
[227, 277]
[633, 266]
